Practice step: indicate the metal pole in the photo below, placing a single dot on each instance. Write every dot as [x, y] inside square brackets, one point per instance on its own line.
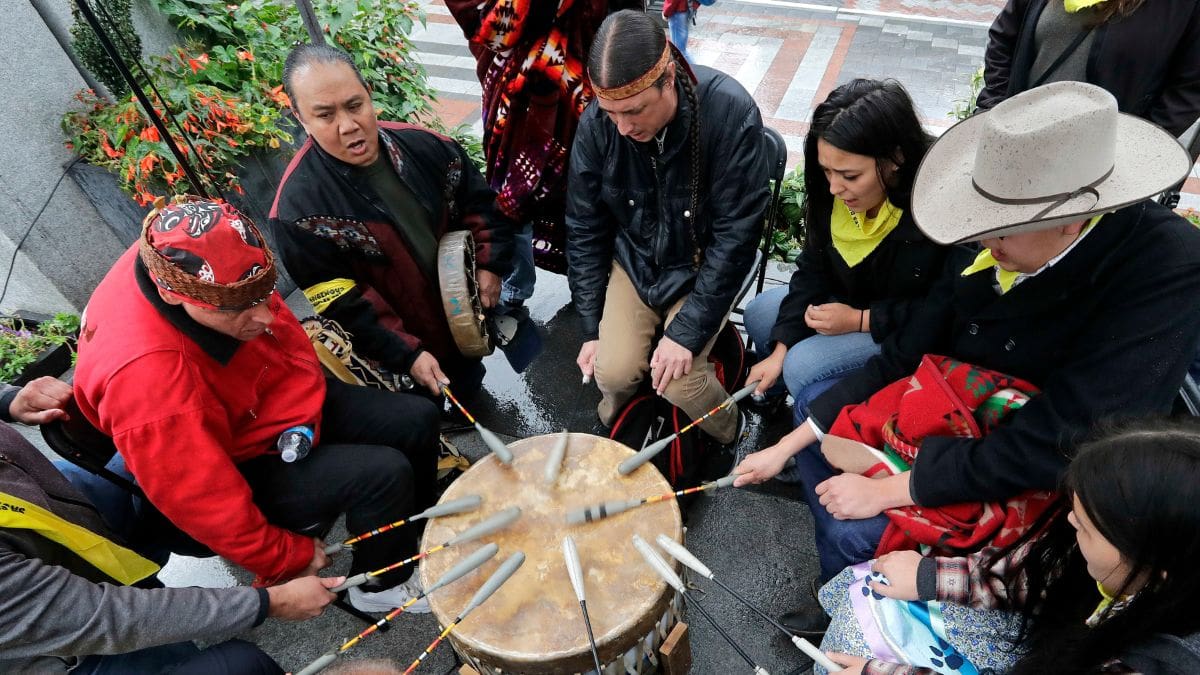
[315, 34]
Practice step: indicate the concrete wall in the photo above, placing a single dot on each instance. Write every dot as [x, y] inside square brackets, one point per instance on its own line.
[70, 249]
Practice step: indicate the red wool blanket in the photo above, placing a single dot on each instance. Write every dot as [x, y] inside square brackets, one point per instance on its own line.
[944, 397]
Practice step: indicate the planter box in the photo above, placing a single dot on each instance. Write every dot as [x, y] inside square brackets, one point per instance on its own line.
[54, 361]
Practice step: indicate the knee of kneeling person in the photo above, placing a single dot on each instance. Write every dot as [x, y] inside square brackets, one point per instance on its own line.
[382, 468]
[614, 371]
[688, 388]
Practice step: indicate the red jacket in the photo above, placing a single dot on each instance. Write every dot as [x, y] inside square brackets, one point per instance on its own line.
[184, 405]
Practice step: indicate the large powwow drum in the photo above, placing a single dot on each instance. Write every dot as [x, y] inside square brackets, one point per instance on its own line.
[460, 294]
[533, 624]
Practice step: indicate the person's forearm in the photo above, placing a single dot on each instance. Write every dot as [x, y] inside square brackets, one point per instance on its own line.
[895, 491]
[800, 438]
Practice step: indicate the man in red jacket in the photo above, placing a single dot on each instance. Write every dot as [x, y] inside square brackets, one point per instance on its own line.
[194, 365]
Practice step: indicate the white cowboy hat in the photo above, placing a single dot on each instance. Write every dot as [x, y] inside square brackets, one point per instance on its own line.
[1053, 155]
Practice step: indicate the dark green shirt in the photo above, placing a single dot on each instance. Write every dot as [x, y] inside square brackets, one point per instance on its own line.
[410, 217]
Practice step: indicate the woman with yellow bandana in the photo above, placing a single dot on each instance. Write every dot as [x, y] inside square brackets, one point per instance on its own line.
[864, 261]
[1146, 54]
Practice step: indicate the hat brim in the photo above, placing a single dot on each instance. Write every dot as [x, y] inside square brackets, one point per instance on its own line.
[949, 210]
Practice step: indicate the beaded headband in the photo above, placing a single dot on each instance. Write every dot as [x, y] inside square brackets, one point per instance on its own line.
[639, 84]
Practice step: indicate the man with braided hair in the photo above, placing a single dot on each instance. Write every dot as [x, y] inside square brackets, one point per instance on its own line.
[668, 185]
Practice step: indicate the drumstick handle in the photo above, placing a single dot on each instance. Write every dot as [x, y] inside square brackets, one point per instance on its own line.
[644, 455]
[659, 565]
[493, 442]
[492, 524]
[728, 638]
[745, 391]
[356, 580]
[494, 582]
[815, 654]
[320, 664]
[587, 623]
[464, 566]
[555, 459]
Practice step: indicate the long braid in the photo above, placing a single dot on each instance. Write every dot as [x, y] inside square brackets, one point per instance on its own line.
[689, 89]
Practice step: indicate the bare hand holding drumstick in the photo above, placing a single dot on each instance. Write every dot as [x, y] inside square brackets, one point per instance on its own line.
[301, 598]
[587, 359]
[428, 373]
[489, 287]
[670, 362]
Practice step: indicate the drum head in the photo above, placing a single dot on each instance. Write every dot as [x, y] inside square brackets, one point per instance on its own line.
[533, 624]
[460, 295]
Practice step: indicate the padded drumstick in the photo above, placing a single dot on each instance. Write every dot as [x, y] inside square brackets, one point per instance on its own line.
[678, 552]
[494, 582]
[491, 440]
[483, 528]
[648, 452]
[603, 510]
[450, 508]
[664, 570]
[555, 459]
[575, 572]
[453, 574]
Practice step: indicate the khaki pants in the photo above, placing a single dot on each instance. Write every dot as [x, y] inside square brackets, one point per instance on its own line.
[627, 329]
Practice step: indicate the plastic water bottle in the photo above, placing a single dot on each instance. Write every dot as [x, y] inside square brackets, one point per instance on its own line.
[295, 443]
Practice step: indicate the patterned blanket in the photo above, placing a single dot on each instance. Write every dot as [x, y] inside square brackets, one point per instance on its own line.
[944, 397]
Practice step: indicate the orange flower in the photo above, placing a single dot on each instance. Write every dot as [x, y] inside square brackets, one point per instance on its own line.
[197, 64]
[109, 150]
[232, 143]
[147, 163]
[245, 55]
[280, 97]
[149, 134]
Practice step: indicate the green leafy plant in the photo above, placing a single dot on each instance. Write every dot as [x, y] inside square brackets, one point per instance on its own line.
[21, 344]
[89, 50]
[1192, 215]
[224, 85]
[787, 239]
[965, 107]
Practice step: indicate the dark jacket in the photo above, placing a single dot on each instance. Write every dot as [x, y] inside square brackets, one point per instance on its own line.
[1150, 60]
[627, 202]
[330, 224]
[56, 607]
[896, 274]
[1108, 331]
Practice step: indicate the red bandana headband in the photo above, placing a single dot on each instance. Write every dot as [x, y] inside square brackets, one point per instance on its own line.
[639, 84]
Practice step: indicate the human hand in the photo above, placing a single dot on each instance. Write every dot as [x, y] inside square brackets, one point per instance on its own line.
[768, 370]
[302, 598]
[489, 287]
[427, 373]
[761, 466]
[319, 560]
[587, 359]
[851, 665]
[900, 568]
[833, 318]
[849, 496]
[669, 362]
[42, 400]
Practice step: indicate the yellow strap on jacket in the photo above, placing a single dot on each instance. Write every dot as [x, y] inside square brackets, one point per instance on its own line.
[323, 295]
[1005, 278]
[1073, 6]
[114, 560]
[855, 236]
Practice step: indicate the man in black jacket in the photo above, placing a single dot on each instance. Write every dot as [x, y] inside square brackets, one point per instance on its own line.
[1085, 288]
[668, 185]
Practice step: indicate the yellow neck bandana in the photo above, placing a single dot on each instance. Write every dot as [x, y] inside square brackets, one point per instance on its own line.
[1076, 5]
[1005, 279]
[116, 561]
[855, 236]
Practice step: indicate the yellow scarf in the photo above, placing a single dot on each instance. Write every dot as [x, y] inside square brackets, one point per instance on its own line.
[855, 236]
[116, 561]
[1073, 6]
[1006, 279]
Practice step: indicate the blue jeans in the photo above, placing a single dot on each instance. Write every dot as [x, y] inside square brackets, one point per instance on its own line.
[233, 657]
[517, 287]
[678, 23]
[814, 364]
[840, 543]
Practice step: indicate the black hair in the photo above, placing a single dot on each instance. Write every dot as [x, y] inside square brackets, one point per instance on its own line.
[309, 54]
[875, 118]
[1140, 486]
[626, 46]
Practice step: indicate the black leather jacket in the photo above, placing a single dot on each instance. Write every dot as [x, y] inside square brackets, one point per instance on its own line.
[626, 201]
